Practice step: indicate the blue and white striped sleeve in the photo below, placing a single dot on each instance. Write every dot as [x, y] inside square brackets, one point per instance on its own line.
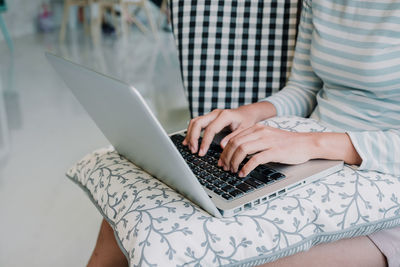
[379, 150]
[298, 97]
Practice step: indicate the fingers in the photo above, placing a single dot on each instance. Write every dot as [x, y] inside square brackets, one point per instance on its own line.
[239, 142]
[213, 128]
[260, 158]
[240, 131]
[242, 151]
[226, 139]
[195, 127]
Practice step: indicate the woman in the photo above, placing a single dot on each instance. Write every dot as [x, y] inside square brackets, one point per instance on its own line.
[345, 74]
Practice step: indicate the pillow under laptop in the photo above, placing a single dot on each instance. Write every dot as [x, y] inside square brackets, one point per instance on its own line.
[154, 225]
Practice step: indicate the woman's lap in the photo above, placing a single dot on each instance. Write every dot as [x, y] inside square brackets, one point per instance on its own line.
[358, 251]
[388, 242]
[354, 252]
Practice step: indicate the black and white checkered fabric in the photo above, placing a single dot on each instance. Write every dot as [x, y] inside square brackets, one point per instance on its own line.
[233, 52]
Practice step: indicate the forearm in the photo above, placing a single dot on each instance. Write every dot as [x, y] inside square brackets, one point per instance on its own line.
[335, 146]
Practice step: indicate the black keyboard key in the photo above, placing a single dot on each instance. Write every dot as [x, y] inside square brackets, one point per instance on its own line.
[254, 182]
[277, 176]
[270, 181]
[259, 168]
[177, 138]
[218, 191]
[211, 187]
[197, 169]
[227, 196]
[215, 148]
[236, 193]
[223, 178]
[234, 181]
[268, 172]
[195, 161]
[218, 182]
[203, 174]
[209, 159]
[209, 168]
[202, 165]
[245, 187]
[259, 176]
[213, 162]
[190, 158]
[225, 175]
[227, 188]
[209, 178]
[215, 171]
[215, 156]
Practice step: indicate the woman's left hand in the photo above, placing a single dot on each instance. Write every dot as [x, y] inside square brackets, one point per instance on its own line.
[266, 144]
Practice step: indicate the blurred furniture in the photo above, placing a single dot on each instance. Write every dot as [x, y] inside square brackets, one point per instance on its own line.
[3, 8]
[4, 134]
[233, 53]
[163, 12]
[127, 17]
[67, 6]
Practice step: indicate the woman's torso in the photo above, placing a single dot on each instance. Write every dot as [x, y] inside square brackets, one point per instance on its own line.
[355, 51]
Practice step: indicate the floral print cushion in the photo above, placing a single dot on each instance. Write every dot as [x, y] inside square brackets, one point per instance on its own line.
[156, 226]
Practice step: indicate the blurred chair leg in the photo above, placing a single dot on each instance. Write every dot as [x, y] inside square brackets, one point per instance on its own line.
[163, 12]
[124, 19]
[99, 20]
[149, 18]
[64, 21]
[86, 26]
[93, 19]
[115, 20]
[7, 36]
[138, 23]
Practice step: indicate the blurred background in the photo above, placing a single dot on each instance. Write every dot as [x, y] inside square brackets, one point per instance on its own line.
[46, 220]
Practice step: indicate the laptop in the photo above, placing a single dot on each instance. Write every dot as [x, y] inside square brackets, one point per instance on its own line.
[127, 122]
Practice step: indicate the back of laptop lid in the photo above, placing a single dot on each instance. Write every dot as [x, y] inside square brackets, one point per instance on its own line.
[124, 118]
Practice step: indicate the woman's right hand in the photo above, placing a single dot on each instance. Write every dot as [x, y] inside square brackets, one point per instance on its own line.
[236, 119]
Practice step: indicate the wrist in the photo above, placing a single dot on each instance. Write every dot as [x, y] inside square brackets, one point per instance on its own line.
[260, 111]
[334, 146]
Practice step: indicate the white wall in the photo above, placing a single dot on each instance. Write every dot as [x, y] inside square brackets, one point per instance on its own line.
[21, 16]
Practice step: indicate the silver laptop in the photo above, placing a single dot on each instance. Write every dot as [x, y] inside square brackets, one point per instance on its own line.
[127, 122]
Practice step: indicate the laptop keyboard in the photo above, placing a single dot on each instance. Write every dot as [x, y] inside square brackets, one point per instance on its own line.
[226, 184]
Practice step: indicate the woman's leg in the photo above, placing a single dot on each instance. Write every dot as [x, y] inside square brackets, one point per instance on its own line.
[352, 252]
[107, 252]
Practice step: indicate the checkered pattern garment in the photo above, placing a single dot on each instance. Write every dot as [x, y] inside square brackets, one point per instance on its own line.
[233, 52]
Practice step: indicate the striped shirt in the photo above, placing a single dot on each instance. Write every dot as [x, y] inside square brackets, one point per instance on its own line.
[346, 74]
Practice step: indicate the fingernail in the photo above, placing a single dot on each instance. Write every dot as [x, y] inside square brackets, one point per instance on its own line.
[201, 152]
[223, 144]
[241, 174]
[219, 163]
[184, 142]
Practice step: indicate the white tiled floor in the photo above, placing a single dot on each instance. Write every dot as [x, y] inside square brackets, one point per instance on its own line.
[46, 220]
